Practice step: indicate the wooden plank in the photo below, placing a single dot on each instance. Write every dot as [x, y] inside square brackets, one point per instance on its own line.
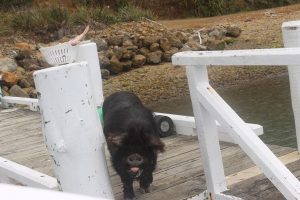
[255, 171]
[259, 187]
[270, 57]
[18, 122]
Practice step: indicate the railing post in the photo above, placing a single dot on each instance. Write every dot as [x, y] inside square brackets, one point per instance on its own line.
[291, 37]
[207, 134]
[88, 53]
[72, 130]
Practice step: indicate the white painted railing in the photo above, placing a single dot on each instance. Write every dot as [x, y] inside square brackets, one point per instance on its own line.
[11, 192]
[208, 106]
[14, 173]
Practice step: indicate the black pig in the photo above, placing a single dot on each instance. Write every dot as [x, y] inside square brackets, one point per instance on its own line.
[132, 139]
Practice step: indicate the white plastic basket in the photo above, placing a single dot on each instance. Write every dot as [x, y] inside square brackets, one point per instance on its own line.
[59, 54]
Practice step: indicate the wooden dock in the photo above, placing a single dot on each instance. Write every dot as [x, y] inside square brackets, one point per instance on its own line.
[179, 174]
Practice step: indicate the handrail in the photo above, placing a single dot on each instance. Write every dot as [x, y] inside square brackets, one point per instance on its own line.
[278, 56]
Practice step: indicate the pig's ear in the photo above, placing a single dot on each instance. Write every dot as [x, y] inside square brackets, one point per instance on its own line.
[115, 139]
[157, 144]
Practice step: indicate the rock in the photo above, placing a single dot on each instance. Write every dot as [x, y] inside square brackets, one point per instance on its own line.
[115, 65]
[195, 38]
[61, 33]
[154, 47]
[150, 40]
[175, 42]
[154, 57]
[115, 40]
[127, 42]
[24, 50]
[101, 44]
[165, 44]
[7, 65]
[31, 92]
[9, 78]
[181, 36]
[105, 73]
[168, 54]
[233, 31]
[144, 51]
[109, 53]
[17, 91]
[43, 63]
[127, 65]
[132, 47]
[118, 51]
[104, 60]
[215, 34]
[216, 44]
[128, 54]
[33, 67]
[24, 83]
[12, 54]
[5, 93]
[29, 78]
[20, 72]
[5, 88]
[185, 48]
[195, 46]
[29, 64]
[138, 61]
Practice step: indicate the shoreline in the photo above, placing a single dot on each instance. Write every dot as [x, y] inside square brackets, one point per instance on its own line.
[165, 82]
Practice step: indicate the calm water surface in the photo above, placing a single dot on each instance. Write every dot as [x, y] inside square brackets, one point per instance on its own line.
[265, 102]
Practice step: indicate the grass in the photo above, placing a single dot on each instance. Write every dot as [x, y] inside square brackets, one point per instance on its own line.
[36, 19]
[134, 13]
[52, 18]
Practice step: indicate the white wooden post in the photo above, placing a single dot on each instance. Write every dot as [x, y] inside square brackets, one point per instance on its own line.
[88, 52]
[207, 134]
[291, 37]
[72, 130]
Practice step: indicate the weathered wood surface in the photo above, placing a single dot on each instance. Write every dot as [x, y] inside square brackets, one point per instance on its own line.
[179, 173]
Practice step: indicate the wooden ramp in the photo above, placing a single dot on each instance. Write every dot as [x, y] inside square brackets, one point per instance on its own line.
[179, 174]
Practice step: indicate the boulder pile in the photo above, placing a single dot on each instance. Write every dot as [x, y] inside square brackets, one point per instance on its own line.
[123, 47]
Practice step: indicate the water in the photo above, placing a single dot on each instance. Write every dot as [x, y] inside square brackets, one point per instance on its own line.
[265, 102]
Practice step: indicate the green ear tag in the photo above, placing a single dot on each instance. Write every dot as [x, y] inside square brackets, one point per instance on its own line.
[100, 113]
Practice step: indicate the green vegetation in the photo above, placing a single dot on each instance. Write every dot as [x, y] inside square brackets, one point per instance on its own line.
[6, 4]
[35, 19]
[26, 15]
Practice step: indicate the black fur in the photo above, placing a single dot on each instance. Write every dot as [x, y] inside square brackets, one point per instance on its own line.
[130, 129]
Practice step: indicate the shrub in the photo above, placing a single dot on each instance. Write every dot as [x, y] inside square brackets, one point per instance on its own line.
[4, 4]
[133, 13]
[104, 15]
[81, 15]
[39, 18]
